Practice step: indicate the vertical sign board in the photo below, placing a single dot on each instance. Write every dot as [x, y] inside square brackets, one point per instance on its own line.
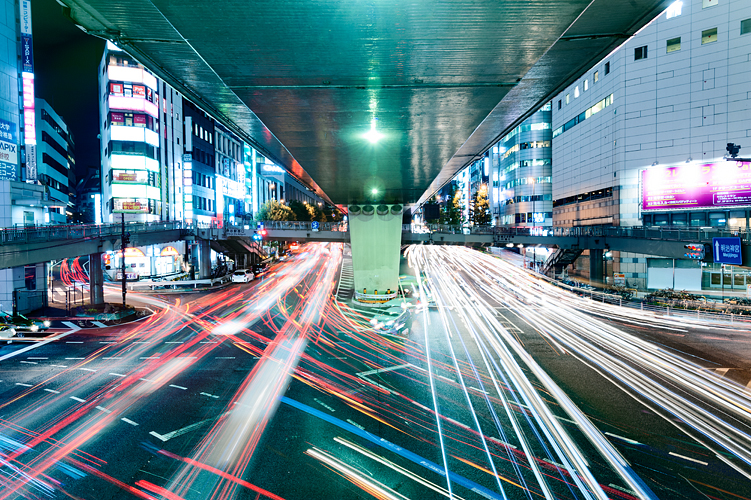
[8, 150]
[27, 64]
[727, 251]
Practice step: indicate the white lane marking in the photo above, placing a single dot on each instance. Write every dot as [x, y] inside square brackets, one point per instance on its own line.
[99, 324]
[87, 369]
[34, 346]
[688, 458]
[52, 391]
[115, 357]
[145, 380]
[142, 342]
[150, 357]
[102, 408]
[178, 387]
[78, 399]
[224, 357]
[185, 430]
[208, 342]
[75, 358]
[128, 421]
[173, 342]
[36, 358]
[622, 438]
[159, 436]
[382, 370]
[73, 342]
[72, 326]
[30, 362]
[478, 390]
[209, 395]
[117, 374]
[108, 341]
[60, 366]
[24, 385]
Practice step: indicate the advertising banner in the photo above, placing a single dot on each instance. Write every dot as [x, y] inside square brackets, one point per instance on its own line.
[721, 184]
[27, 54]
[8, 150]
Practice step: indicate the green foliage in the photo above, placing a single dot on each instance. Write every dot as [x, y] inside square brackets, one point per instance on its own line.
[300, 210]
[276, 211]
[479, 208]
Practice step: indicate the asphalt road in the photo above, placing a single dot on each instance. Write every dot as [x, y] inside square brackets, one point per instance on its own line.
[274, 390]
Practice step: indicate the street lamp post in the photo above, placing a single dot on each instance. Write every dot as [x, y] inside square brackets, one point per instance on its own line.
[531, 180]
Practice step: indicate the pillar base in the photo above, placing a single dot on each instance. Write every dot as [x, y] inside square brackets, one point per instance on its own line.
[375, 238]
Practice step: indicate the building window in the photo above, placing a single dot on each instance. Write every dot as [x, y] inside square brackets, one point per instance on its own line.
[576, 92]
[673, 45]
[708, 3]
[709, 36]
[596, 77]
[640, 53]
[559, 103]
[607, 68]
[745, 26]
[586, 85]
[568, 98]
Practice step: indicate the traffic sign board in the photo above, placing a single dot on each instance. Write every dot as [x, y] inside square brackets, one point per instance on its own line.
[727, 251]
[315, 225]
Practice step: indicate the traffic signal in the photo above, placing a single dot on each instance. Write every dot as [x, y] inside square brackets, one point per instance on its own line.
[695, 251]
[256, 236]
[733, 149]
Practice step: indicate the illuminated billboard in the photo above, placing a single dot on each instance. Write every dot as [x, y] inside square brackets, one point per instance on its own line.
[697, 185]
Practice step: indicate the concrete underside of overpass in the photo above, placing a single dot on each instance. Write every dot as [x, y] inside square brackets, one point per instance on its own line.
[304, 81]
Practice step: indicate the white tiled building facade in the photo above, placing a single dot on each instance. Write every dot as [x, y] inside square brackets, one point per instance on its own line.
[674, 94]
[677, 91]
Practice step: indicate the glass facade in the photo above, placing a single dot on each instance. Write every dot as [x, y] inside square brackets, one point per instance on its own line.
[521, 173]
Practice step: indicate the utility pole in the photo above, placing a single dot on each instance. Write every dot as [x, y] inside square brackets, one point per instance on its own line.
[124, 240]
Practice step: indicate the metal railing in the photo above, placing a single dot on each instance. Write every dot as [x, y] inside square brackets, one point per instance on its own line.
[10, 236]
[643, 232]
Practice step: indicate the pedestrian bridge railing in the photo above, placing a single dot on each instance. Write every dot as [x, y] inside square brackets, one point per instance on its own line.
[12, 236]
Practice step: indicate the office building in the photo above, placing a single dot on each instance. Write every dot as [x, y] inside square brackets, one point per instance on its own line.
[55, 167]
[521, 173]
[640, 137]
[129, 121]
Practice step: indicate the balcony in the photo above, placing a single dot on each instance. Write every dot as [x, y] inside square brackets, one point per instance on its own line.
[135, 134]
[133, 162]
[132, 74]
[124, 103]
[137, 191]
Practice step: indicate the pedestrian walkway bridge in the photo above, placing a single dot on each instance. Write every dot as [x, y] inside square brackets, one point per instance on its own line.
[25, 246]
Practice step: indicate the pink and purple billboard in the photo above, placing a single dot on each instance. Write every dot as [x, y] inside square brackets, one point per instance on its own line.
[708, 185]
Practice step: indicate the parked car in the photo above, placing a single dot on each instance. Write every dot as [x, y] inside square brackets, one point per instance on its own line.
[22, 324]
[242, 276]
[8, 332]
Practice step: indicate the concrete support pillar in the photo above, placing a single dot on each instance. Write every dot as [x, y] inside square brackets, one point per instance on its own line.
[595, 265]
[375, 236]
[96, 279]
[204, 256]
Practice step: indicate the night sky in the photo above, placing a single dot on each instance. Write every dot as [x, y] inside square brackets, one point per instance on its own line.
[65, 66]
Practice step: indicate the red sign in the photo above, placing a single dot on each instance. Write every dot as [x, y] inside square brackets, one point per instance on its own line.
[139, 91]
[116, 88]
[139, 119]
[124, 177]
[118, 117]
